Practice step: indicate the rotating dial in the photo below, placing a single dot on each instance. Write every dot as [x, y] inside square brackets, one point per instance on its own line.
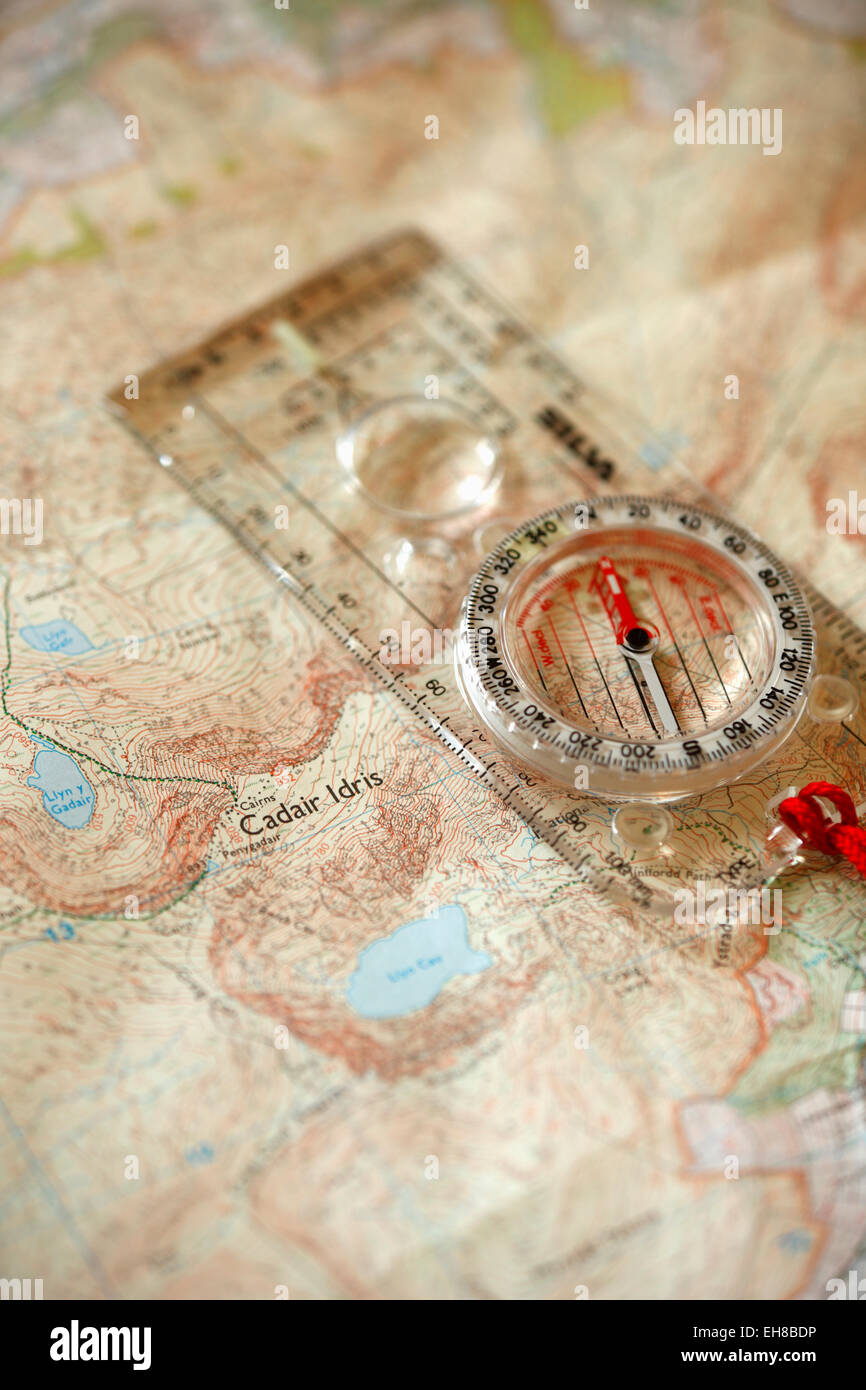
[636, 646]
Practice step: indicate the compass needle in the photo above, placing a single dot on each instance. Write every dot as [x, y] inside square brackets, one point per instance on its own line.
[637, 641]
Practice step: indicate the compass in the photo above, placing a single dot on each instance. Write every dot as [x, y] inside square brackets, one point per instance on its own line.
[613, 655]
[636, 647]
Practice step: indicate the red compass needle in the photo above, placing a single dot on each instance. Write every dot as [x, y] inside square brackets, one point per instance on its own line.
[611, 590]
[636, 640]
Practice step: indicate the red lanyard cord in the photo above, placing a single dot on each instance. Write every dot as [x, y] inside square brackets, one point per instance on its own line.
[810, 823]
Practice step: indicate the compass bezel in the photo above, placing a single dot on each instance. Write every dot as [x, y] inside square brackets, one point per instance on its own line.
[678, 765]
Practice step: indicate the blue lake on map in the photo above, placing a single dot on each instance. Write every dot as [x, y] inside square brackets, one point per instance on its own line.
[56, 636]
[67, 795]
[406, 970]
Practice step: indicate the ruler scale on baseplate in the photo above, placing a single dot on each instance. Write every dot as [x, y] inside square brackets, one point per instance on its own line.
[591, 637]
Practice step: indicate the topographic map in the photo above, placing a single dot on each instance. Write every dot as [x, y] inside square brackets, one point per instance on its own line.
[205, 1091]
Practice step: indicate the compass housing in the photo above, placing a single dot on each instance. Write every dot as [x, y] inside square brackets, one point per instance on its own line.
[636, 648]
